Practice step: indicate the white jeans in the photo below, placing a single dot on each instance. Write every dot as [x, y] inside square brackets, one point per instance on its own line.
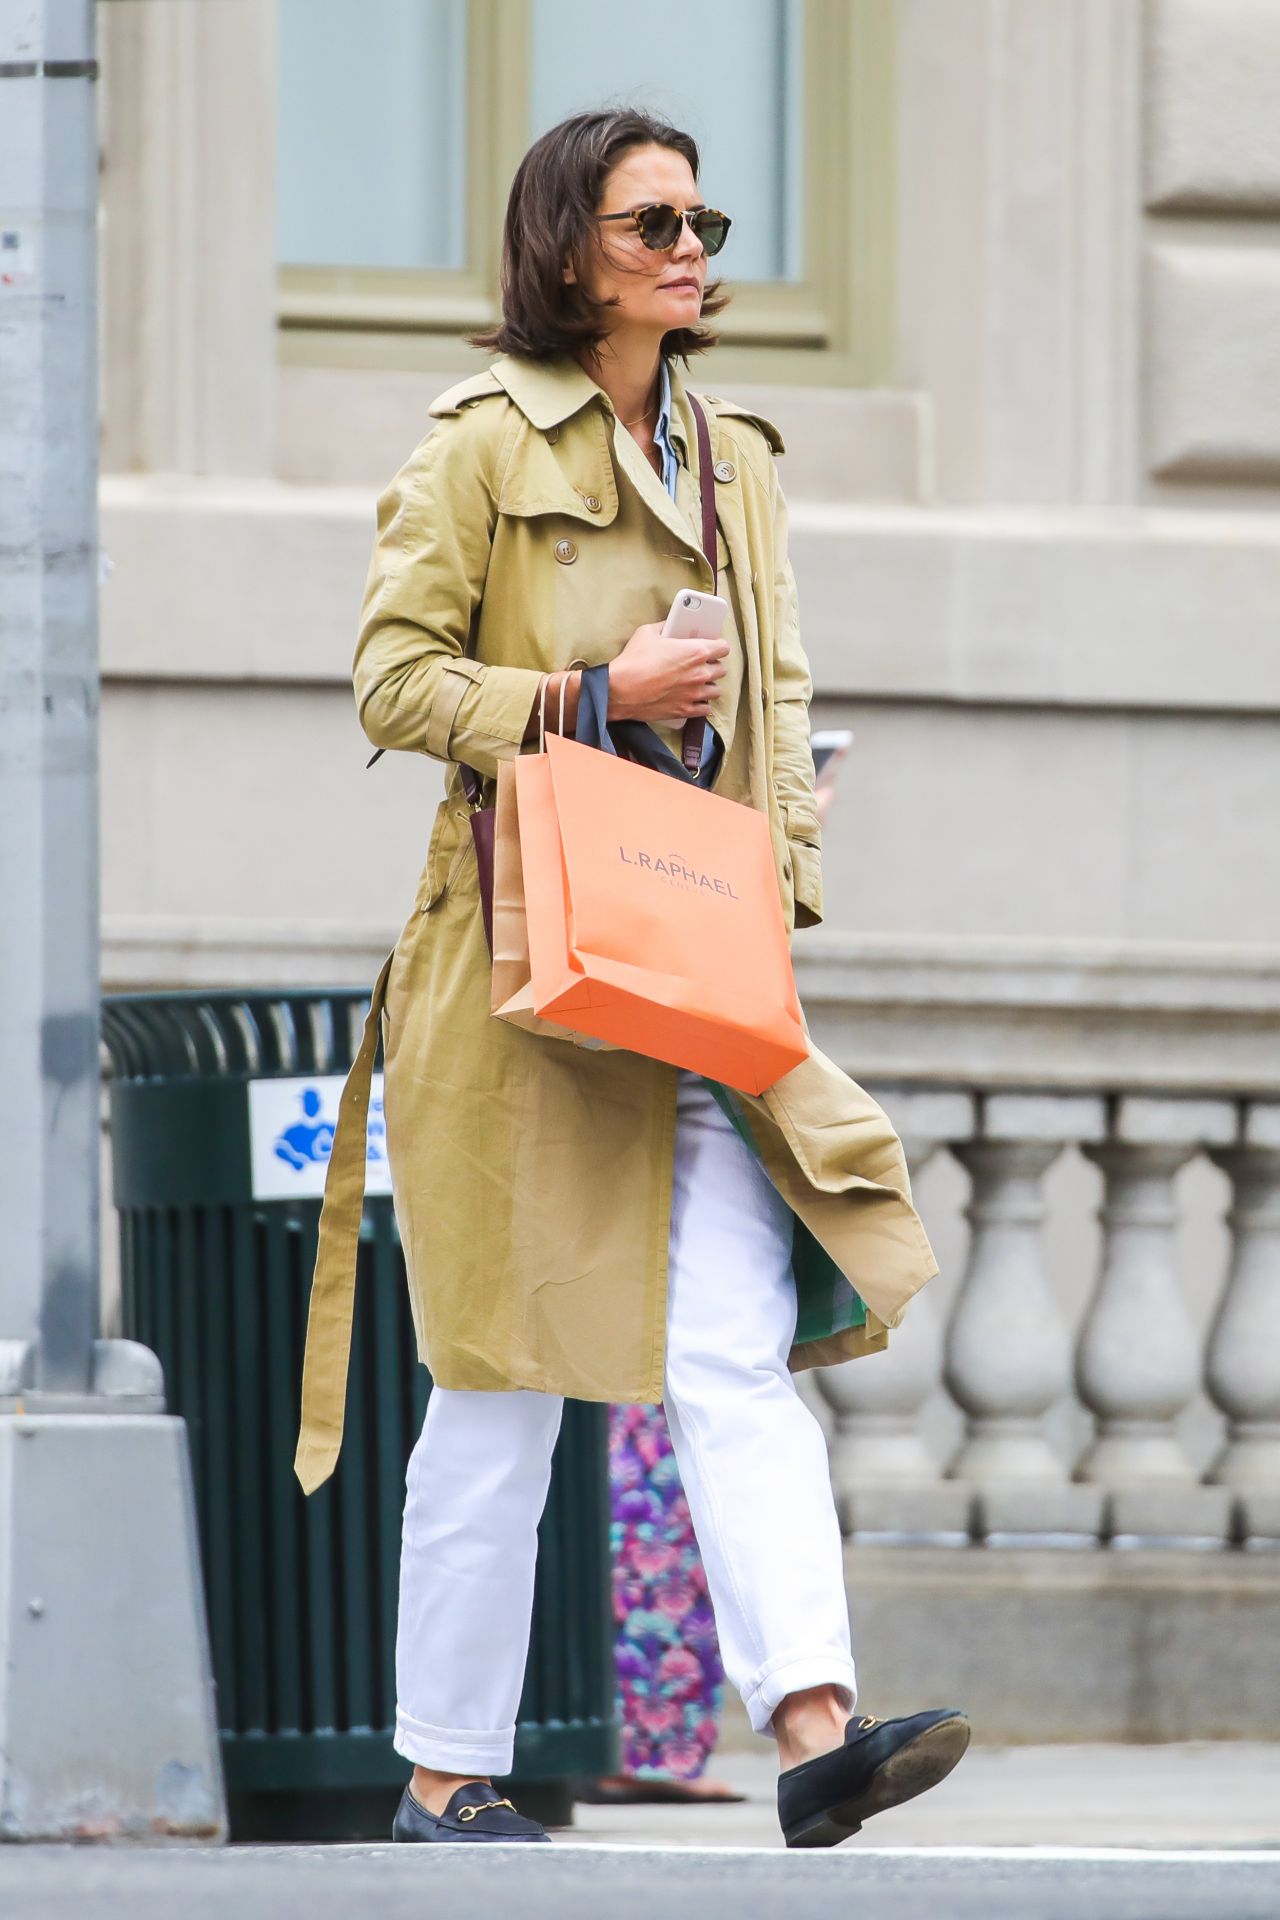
[752, 1459]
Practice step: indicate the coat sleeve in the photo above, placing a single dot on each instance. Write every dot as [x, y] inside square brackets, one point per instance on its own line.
[793, 775]
[416, 686]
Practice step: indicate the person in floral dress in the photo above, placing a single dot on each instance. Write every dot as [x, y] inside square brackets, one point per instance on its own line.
[670, 1680]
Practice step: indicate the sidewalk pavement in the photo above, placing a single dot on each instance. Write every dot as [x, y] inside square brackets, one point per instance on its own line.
[1014, 1833]
[1202, 1795]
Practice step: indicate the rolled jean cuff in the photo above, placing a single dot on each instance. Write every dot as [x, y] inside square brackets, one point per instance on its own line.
[454, 1749]
[771, 1684]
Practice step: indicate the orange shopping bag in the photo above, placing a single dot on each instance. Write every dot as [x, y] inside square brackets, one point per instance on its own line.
[653, 917]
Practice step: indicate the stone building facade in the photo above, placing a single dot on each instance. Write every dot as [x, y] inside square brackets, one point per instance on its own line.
[1032, 401]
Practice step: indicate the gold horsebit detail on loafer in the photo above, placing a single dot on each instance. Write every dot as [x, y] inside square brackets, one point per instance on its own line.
[866, 1723]
[469, 1813]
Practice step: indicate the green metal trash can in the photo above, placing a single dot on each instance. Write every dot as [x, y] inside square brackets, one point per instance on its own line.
[222, 1111]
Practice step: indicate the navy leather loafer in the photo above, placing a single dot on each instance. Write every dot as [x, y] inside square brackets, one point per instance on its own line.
[881, 1764]
[474, 1813]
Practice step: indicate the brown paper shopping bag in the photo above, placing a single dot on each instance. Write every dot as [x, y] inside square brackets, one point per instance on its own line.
[511, 993]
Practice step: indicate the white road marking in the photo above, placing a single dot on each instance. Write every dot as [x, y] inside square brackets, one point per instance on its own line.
[1171, 1856]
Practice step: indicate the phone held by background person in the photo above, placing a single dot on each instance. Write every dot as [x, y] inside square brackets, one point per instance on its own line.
[830, 745]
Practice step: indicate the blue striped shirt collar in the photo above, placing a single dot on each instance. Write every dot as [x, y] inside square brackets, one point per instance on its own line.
[662, 431]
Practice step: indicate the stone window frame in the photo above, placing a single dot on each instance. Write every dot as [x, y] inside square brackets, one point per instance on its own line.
[834, 327]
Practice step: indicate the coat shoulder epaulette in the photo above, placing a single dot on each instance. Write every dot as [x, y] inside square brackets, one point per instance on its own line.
[481, 386]
[731, 410]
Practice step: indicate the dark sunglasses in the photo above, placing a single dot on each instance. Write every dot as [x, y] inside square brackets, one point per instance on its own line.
[659, 226]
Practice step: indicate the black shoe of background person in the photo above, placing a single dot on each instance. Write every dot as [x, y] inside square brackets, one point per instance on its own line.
[881, 1764]
[474, 1812]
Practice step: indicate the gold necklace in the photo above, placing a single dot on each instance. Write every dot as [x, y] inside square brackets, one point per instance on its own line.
[644, 416]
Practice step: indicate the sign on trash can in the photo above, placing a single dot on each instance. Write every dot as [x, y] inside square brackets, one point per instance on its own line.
[291, 1127]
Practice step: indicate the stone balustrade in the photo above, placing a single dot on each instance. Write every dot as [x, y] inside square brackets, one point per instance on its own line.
[1003, 1353]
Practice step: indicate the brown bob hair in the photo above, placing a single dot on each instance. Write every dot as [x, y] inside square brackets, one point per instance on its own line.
[551, 221]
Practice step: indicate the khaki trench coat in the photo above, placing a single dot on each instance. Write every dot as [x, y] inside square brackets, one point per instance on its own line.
[532, 1178]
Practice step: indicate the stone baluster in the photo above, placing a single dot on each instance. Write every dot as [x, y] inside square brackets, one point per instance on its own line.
[1138, 1360]
[1007, 1349]
[876, 1402]
[1242, 1371]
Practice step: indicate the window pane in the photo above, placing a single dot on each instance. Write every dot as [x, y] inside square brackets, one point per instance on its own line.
[727, 71]
[372, 129]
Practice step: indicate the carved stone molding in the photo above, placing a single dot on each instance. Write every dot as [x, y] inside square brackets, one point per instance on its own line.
[188, 243]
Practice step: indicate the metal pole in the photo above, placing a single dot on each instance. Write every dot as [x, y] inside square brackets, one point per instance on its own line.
[49, 1075]
[106, 1695]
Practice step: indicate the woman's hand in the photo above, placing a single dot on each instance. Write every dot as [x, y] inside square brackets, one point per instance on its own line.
[665, 682]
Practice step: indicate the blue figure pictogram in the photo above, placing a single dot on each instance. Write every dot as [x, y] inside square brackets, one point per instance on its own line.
[309, 1140]
[376, 1135]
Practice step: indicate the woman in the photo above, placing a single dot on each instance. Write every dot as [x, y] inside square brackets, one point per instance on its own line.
[588, 1223]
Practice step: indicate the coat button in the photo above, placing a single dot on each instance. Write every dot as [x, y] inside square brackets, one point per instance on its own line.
[566, 552]
[553, 434]
[725, 470]
[591, 503]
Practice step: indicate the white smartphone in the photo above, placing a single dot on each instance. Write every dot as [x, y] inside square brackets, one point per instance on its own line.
[696, 616]
[830, 744]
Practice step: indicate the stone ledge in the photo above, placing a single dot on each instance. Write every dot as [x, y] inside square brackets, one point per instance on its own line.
[1062, 1015]
[1036, 607]
[1081, 609]
[934, 1013]
[356, 425]
[142, 951]
[1042, 1646]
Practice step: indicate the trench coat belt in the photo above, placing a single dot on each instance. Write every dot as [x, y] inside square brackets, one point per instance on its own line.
[333, 1288]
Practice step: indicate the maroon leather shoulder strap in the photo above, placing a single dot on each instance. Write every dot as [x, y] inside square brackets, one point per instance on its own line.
[707, 485]
[695, 730]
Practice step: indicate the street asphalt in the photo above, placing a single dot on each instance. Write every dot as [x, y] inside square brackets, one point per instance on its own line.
[608, 1883]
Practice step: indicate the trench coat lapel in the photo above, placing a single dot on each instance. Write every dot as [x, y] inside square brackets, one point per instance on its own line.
[557, 476]
[658, 501]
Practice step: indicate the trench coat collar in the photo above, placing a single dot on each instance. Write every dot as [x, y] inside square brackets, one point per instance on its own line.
[551, 392]
[547, 392]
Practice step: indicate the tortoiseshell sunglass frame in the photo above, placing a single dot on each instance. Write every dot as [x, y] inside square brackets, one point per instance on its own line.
[693, 217]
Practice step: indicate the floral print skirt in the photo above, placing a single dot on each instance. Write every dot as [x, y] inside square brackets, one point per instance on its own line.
[670, 1680]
